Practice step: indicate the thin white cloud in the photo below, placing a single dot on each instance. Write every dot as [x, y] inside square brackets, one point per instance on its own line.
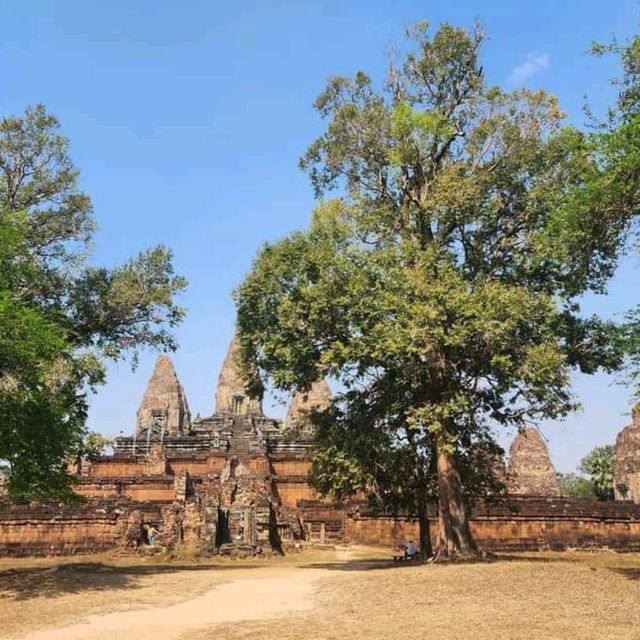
[534, 63]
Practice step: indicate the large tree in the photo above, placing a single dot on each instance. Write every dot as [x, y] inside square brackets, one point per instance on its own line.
[617, 140]
[60, 317]
[434, 289]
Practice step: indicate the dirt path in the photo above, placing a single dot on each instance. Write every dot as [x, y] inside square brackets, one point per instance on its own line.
[240, 599]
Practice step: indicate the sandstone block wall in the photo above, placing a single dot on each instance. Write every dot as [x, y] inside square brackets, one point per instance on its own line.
[69, 530]
[139, 489]
[291, 467]
[116, 467]
[290, 481]
[100, 490]
[520, 525]
[291, 492]
[156, 492]
[194, 466]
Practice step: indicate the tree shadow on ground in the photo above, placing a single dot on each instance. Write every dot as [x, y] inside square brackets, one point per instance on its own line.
[507, 557]
[385, 564]
[630, 573]
[363, 565]
[82, 577]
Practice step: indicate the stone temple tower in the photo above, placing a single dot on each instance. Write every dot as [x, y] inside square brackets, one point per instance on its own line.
[304, 403]
[530, 469]
[231, 394]
[626, 464]
[164, 409]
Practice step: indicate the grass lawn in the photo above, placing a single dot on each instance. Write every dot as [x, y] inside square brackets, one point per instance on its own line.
[359, 594]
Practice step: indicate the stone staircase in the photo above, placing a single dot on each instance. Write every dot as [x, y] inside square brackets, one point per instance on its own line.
[239, 439]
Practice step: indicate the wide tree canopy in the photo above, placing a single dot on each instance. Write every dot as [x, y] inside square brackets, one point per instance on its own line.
[60, 317]
[441, 289]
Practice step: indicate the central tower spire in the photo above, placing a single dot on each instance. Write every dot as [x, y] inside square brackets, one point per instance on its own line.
[231, 394]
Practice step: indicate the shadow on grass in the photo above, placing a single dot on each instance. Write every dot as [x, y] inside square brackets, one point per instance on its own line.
[630, 573]
[385, 564]
[362, 565]
[82, 577]
[542, 559]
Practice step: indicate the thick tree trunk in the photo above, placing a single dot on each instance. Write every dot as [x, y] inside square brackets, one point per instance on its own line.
[426, 551]
[454, 537]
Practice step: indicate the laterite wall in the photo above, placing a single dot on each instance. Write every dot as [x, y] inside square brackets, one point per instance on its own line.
[138, 489]
[42, 531]
[290, 476]
[292, 490]
[521, 525]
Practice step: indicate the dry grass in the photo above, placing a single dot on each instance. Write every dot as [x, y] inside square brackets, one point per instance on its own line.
[537, 596]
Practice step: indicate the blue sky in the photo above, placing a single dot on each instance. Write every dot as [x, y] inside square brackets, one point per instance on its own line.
[187, 120]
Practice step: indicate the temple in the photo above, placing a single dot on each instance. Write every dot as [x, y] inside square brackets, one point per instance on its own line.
[244, 474]
[237, 481]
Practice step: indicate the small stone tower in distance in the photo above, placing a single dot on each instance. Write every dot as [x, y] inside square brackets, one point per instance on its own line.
[164, 409]
[530, 470]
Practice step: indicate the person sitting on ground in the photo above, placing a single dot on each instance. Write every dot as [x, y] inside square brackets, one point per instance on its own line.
[410, 551]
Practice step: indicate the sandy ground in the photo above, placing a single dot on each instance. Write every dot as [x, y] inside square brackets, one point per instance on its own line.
[342, 594]
[238, 600]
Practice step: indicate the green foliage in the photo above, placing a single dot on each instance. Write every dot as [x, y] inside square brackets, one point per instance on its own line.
[38, 179]
[617, 142]
[628, 54]
[94, 444]
[575, 486]
[631, 344]
[117, 310]
[441, 289]
[42, 414]
[60, 316]
[385, 463]
[598, 465]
